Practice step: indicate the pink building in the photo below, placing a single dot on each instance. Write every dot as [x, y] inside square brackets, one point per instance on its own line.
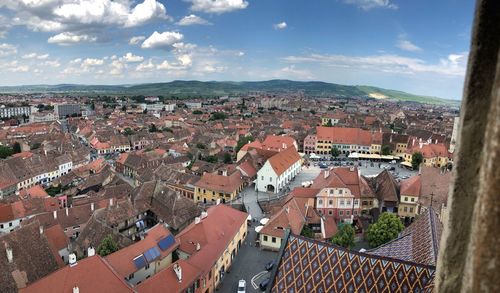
[310, 144]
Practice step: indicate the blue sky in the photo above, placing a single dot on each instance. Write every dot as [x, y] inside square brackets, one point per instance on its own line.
[416, 46]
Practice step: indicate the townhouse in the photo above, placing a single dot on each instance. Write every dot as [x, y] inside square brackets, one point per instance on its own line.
[214, 186]
[278, 171]
[346, 140]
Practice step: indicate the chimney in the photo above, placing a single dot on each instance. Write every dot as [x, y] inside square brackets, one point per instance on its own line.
[55, 215]
[72, 259]
[41, 229]
[111, 202]
[8, 250]
[287, 210]
[351, 168]
[224, 172]
[76, 289]
[198, 246]
[197, 220]
[326, 174]
[92, 206]
[420, 145]
[218, 201]
[178, 272]
[67, 212]
[90, 251]
[390, 139]
[204, 215]
[284, 145]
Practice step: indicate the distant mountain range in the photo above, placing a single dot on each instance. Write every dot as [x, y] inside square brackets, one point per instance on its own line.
[193, 88]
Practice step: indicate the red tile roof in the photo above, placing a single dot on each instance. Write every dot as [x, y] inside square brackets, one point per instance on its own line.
[346, 135]
[278, 143]
[91, 274]
[347, 177]
[284, 160]
[213, 234]
[220, 183]
[122, 260]
[411, 186]
[166, 280]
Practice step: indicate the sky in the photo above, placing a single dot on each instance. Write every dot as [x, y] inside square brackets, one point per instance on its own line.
[416, 46]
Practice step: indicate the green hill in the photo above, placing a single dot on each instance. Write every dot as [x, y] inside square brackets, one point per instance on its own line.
[193, 88]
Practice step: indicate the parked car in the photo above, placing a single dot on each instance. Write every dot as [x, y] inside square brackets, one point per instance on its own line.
[263, 285]
[242, 285]
[270, 265]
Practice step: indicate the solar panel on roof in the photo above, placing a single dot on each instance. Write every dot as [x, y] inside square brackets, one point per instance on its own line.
[166, 242]
[140, 262]
[152, 254]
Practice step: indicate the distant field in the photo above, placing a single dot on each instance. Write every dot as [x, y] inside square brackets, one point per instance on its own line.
[220, 88]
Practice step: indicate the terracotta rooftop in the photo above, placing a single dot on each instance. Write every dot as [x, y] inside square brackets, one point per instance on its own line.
[91, 274]
[166, 280]
[220, 183]
[284, 160]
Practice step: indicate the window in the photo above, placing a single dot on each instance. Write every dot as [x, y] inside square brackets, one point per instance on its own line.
[341, 213]
[330, 212]
[406, 198]
[348, 202]
[1, 226]
[270, 179]
[340, 191]
[320, 202]
[131, 276]
[10, 224]
[330, 202]
[342, 202]
[405, 209]
[347, 213]
[273, 240]
[146, 267]
[355, 212]
[331, 191]
[411, 210]
[265, 237]
[412, 199]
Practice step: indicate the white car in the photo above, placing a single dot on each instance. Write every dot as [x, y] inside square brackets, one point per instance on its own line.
[242, 284]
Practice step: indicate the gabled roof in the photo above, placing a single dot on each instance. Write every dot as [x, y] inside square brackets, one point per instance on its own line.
[289, 217]
[343, 177]
[166, 279]
[411, 186]
[417, 243]
[220, 183]
[91, 274]
[307, 265]
[122, 260]
[213, 233]
[284, 160]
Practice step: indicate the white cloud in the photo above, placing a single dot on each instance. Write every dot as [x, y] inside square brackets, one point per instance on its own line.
[280, 26]
[7, 49]
[117, 67]
[217, 6]
[51, 63]
[370, 4]
[145, 12]
[192, 20]
[82, 17]
[92, 62]
[452, 65]
[162, 40]
[131, 58]
[5, 25]
[20, 68]
[240, 53]
[136, 40]
[293, 73]
[35, 56]
[67, 38]
[408, 46]
[145, 66]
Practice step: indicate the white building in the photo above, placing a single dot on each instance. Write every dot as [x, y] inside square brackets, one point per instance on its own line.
[193, 105]
[157, 107]
[7, 112]
[278, 171]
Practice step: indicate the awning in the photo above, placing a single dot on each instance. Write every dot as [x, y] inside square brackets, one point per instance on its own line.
[407, 164]
[354, 155]
[258, 228]
[313, 156]
[264, 221]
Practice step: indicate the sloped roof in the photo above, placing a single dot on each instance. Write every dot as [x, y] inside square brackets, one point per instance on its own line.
[411, 186]
[166, 279]
[220, 183]
[289, 217]
[307, 265]
[417, 243]
[284, 160]
[343, 177]
[91, 274]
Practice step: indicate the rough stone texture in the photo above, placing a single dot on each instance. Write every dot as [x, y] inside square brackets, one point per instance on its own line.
[469, 254]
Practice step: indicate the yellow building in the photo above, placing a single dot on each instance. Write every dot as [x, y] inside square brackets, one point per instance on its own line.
[434, 155]
[213, 186]
[410, 193]
[212, 242]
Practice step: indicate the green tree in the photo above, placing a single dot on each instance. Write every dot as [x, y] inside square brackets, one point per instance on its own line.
[200, 146]
[218, 116]
[344, 236]
[227, 158]
[197, 112]
[153, 128]
[384, 230]
[386, 150]
[335, 152]
[211, 159]
[5, 152]
[243, 141]
[107, 246]
[329, 123]
[16, 147]
[128, 131]
[307, 232]
[416, 159]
